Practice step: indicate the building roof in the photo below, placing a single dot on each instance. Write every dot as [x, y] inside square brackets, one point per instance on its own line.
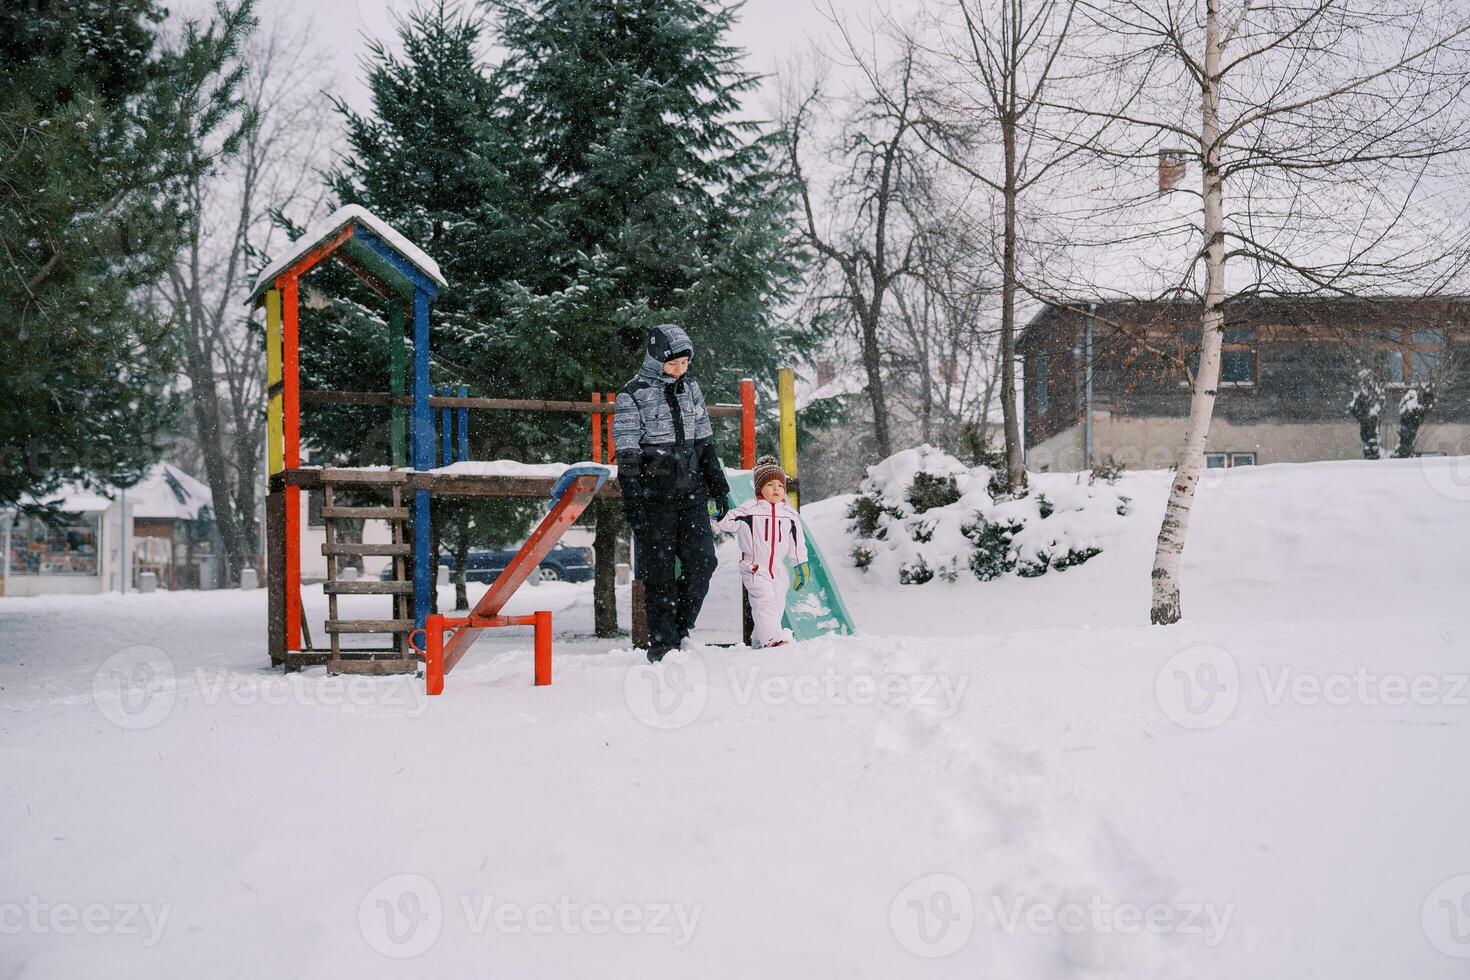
[1334, 310]
[166, 493]
[367, 249]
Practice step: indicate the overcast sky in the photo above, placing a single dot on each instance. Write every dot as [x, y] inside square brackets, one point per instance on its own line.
[769, 30]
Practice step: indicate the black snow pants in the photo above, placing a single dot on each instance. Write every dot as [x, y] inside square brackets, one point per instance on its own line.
[671, 604]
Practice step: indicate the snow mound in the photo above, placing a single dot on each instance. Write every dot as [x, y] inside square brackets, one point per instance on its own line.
[922, 513]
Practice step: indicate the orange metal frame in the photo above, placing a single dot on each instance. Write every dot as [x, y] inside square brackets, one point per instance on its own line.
[441, 656]
[436, 626]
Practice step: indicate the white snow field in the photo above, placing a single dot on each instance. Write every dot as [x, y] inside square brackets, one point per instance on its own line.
[1013, 779]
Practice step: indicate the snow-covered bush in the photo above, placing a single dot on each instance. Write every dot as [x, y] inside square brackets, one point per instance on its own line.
[921, 514]
[993, 554]
[931, 490]
[869, 518]
[915, 572]
[1109, 470]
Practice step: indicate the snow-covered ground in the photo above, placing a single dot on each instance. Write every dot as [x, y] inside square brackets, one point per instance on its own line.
[1014, 779]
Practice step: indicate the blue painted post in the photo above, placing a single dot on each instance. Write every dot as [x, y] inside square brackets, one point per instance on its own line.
[446, 432]
[423, 459]
[464, 425]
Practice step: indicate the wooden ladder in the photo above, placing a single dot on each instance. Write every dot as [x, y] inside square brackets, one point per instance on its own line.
[398, 658]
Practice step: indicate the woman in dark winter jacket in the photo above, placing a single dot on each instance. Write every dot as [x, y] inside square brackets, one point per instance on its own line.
[668, 473]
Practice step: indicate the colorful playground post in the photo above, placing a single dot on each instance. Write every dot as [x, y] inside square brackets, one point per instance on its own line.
[747, 423]
[786, 401]
[396, 271]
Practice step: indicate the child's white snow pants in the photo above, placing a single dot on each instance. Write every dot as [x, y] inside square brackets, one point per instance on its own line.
[767, 603]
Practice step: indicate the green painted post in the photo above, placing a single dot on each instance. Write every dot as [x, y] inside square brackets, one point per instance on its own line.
[398, 357]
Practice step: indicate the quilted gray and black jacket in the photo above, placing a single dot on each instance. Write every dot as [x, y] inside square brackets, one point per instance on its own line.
[662, 433]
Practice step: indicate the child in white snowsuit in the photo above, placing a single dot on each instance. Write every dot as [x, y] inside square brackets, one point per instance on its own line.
[769, 532]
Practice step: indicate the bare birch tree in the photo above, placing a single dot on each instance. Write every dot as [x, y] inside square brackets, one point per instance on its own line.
[1336, 125]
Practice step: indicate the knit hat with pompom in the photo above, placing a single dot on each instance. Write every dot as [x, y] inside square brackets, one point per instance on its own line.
[766, 470]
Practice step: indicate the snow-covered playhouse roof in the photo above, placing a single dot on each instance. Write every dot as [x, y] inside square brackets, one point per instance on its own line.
[366, 231]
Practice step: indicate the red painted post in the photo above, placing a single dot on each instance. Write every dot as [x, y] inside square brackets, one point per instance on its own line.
[543, 648]
[596, 429]
[747, 424]
[291, 432]
[434, 654]
[612, 396]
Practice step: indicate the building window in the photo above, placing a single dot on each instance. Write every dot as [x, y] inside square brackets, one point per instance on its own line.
[1041, 400]
[1412, 356]
[68, 547]
[1237, 355]
[1220, 461]
[1242, 459]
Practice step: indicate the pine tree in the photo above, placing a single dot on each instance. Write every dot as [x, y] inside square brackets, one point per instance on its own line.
[435, 161]
[92, 151]
[660, 205]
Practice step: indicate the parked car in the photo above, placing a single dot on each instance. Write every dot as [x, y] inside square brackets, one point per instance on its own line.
[562, 564]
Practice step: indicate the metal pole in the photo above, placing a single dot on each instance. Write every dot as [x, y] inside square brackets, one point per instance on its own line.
[9, 517]
[1087, 396]
[125, 567]
[542, 670]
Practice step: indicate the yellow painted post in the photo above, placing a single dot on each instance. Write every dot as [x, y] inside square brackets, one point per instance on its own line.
[275, 422]
[786, 396]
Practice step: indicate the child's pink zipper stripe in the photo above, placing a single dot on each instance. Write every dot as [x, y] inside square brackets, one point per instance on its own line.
[771, 533]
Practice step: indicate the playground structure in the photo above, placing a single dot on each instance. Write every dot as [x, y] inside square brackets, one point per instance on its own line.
[425, 465]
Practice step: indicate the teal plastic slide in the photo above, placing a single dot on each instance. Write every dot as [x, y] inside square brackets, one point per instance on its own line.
[817, 609]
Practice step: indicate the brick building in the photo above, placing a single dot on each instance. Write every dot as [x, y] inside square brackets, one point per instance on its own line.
[1288, 372]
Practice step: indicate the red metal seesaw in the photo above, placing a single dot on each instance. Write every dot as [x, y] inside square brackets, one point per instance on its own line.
[572, 493]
